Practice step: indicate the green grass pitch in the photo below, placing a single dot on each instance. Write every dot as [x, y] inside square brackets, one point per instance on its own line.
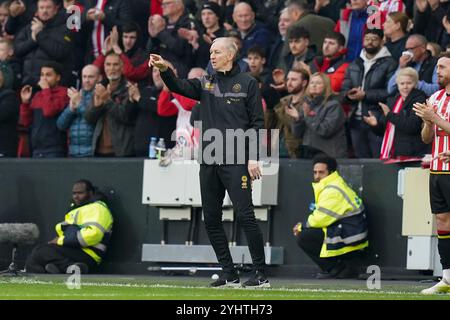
[195, 288]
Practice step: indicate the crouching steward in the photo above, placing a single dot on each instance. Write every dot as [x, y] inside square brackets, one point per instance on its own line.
[82, 237]
[336, 230]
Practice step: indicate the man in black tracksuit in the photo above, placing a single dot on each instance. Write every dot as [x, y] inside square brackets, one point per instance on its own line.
[228, 100]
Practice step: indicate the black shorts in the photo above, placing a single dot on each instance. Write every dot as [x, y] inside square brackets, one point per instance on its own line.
[440, 193]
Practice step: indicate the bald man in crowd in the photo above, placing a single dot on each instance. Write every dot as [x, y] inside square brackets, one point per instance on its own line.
[252, 32]
[72, 118]
[229, 101]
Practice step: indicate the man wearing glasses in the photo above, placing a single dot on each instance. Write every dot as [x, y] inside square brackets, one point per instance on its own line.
[418, 57]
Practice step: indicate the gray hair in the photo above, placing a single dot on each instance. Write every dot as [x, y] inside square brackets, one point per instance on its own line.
[229, 43]
[196, 73]
[284, 11]
[419, 38]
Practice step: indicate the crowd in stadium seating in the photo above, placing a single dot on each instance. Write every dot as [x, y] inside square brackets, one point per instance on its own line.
[335, 75]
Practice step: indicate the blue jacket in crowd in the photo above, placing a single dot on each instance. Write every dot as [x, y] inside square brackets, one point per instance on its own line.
[80, 131]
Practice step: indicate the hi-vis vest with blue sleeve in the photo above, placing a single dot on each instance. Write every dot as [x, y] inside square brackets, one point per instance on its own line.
[340, 213]
[87, 227]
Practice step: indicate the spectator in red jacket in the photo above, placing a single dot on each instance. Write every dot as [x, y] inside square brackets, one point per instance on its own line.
[41, 111]
[332, 62]
[170, 104]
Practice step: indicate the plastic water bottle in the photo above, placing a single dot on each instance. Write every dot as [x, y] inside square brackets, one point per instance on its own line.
[160, 147]
[152, 148]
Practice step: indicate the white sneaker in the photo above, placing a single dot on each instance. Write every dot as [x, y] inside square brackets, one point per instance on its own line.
[440, 287]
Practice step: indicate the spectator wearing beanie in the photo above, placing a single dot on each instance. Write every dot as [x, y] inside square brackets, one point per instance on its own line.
[211, 28]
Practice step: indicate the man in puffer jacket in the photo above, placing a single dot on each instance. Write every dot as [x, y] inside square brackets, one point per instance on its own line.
[72, 118]
[364, 86]
[46, 38]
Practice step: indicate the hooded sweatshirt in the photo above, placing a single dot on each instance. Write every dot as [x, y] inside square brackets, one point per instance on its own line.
[368, 63]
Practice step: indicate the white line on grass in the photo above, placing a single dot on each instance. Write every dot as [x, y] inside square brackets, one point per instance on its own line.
[169, 286]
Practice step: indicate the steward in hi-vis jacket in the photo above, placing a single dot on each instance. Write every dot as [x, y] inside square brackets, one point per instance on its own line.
[82, 237]
[336, 230]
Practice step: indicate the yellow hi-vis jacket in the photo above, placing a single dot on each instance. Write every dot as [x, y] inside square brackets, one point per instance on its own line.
[340, 213]
[87, 227]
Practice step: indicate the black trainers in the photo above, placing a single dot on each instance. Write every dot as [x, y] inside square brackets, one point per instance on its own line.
[350, 272]
[257, 280]
[324, 275]
[227, 280]
[52, 268]
[332, 273]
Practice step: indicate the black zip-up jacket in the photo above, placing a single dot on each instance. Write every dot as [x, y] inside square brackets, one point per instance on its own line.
[15, 24]
[374, 83]
[9, 114]
[148, 122]
[175, 49]
[228, 100]
[407, 138]
[53, 43]
[289, 59]
[427, 68]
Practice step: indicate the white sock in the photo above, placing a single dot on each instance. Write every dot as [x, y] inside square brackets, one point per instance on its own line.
[446, 275]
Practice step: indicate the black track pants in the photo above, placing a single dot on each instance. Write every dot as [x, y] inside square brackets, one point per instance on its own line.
[214, 180]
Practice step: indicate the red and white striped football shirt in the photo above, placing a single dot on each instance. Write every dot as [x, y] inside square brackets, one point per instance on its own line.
[440, 102]
[98, 33]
